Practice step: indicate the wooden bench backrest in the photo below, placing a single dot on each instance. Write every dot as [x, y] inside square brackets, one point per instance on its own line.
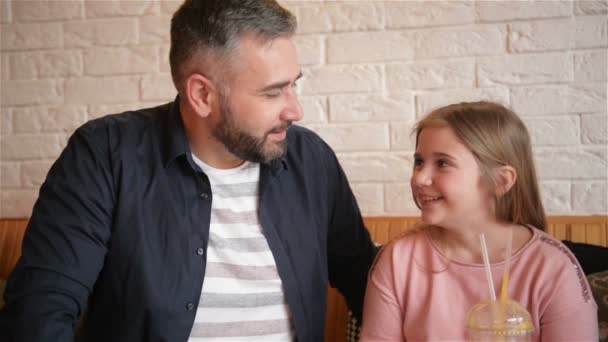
[11, 235]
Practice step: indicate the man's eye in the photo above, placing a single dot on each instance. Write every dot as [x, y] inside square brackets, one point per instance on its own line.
[273, 94]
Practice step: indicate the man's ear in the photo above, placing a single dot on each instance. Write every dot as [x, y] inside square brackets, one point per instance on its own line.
[505, 177]
[200, 94]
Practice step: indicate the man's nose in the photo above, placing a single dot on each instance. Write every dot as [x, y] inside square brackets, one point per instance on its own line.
[293, 109]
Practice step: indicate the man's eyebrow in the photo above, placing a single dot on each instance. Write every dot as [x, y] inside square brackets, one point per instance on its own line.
[280, 85]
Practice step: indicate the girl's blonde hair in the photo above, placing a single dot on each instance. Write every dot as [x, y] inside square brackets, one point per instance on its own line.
[497, 137]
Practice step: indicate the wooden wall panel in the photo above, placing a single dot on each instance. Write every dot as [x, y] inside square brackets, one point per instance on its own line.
[11, 235]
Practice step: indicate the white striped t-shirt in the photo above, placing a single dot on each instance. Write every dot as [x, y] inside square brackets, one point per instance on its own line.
[242, 297]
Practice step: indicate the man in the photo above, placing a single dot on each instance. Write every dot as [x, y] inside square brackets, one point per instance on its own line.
[194, 220]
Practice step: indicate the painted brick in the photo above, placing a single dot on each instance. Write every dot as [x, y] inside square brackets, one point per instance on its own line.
[46, 10]
[594, 128]
[17, 203]
[27, 92]
[590, 66]
[342, 78]
[590, 197]
[5, 67]
[578, 32]
[590, 7]
[556, 196]
[30, 65]
[515, 10]
[348, 16]
[10, 175]
[169, 6]
[6, 121]
[428, 13]
[452, 42]
[347, 137]
[16, 37]
[525, 69]
[116, 89]
[554, 99]
[157, 87]
[376, 167]
[163, 58]
[121, 60]
[118, 8]
[571, 162]
[554, 130]
[122, 31]
[591, 32]
[310, 49]
[155, 29]
[542, 35]
[398, 199]
[429, 100]
[370, 198]
[33, 174]
[48, 119]
[453, 73]
[6, 15]
[401, 137]
[25, 147]
[371, 107]
[96, 111]
[314, 109]
[378, 46]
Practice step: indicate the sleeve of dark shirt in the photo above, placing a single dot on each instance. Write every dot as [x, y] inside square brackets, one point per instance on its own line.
[64, 245]
[350, 248]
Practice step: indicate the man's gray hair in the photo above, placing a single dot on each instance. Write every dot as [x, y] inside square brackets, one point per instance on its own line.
[209, 30]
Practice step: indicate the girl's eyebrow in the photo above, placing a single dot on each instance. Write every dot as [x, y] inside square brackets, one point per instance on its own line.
[443, 155]
[436, 155]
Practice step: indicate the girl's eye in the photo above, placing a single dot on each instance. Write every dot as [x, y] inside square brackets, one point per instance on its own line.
[418, 162]
[442, 163]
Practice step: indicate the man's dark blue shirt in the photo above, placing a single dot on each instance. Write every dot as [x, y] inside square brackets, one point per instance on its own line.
[121, 226]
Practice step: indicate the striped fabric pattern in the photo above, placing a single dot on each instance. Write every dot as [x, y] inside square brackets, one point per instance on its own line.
[242, 297]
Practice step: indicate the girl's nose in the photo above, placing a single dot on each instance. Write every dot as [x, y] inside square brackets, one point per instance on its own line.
[422, 177]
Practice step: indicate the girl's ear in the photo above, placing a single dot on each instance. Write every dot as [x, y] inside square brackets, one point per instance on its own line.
[505, 179]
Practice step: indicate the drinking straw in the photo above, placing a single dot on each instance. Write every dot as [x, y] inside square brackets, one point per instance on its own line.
[505, 276]
[486, 263]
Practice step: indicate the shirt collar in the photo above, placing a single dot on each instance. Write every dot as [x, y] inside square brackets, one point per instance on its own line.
[176, 142]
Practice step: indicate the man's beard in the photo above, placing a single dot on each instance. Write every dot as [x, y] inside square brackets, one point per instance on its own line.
[244, 145]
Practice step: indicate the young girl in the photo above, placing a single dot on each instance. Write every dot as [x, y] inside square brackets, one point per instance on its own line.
[474, 173]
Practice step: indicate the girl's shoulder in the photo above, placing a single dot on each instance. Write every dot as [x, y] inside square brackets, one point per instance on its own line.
[407, 238]
[551, 247]
[401, 244]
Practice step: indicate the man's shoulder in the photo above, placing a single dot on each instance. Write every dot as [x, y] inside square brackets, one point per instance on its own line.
[305, 139]
[128, 121]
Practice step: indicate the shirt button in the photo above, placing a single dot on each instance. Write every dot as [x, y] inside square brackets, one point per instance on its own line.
[190, 306]
[200, 251]
[204, 195]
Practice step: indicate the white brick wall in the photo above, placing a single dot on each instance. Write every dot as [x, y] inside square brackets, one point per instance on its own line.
[371, 69]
